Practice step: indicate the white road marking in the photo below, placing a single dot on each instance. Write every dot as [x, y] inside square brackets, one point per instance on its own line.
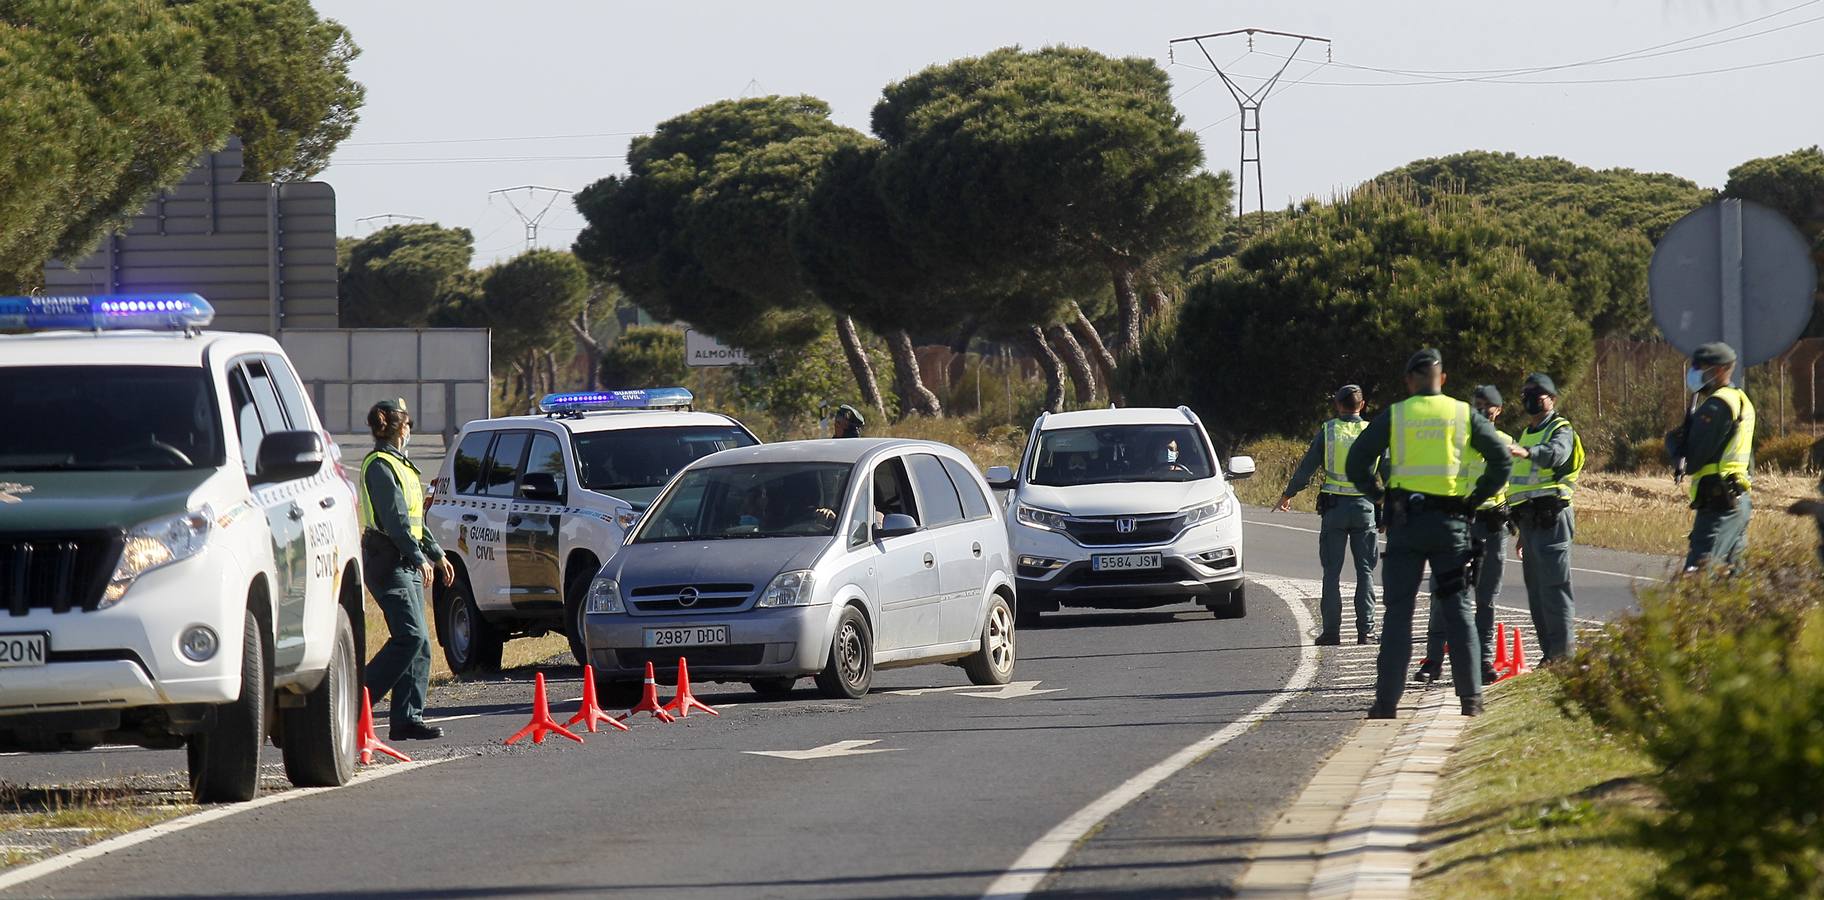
[1509, 559]
[827, 751]
[1032, 867]
[63, 861]
[1012, 690]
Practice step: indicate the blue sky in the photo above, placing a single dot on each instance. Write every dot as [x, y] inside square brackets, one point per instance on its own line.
[469, 96]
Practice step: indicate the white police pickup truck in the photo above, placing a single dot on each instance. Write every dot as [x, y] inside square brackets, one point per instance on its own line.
[529, 507]
[179, 557]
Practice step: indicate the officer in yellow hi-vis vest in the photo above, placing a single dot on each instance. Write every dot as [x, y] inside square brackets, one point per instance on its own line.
[398, 559]
[1348, 519]
[1547, 460]
[1488, 561]
[1430, 500]
[1716, 447]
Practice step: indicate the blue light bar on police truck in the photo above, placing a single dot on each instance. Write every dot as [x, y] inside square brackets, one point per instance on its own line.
[600, 401]
[105, 312]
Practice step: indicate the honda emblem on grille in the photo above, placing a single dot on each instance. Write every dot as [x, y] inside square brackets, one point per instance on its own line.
[688, 597]
[1125, 526]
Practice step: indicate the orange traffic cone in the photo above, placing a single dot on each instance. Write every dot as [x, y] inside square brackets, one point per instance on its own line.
[590, 712]
[367, 740]
[649, 701]
[684, 702]
[1500, 647]
[1516, 661]
[542, 723]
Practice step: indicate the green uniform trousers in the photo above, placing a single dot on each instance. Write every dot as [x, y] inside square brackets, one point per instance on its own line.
[1348, 529]
[1546, 562]
[1442, 541]
[1489, 568]
[403, 665]
[1720, 536]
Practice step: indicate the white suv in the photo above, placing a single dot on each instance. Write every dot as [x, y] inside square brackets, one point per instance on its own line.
[179, 549]
[529, 507]
[1124, 509]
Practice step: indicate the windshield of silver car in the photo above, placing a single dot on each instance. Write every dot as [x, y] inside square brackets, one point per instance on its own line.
[756, 500]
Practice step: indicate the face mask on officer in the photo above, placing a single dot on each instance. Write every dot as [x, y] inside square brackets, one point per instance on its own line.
[1696, 380]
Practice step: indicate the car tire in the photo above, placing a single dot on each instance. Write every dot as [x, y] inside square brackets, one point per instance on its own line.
[319, 745]
[992, 664]
[225, 759]
[773, 688]
[574, 620]
[1234, 607]
[851, 665]
[470, 643]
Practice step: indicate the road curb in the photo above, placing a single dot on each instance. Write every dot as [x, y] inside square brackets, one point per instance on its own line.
[1355, 831]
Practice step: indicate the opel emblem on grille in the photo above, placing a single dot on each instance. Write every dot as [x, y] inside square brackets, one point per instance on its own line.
[688, 597]
[1125, 526]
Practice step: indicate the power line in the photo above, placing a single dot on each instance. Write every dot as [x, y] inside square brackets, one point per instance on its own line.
[1617, 80]
[402, 161]
[493, 140]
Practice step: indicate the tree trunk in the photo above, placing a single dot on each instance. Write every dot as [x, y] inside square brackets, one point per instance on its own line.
[592, 348]
[1157, 300]
[914, 397]
[550, 360]
[1129, 300]
[1082, 374]
[1034, 338]
[860, 365]
[1086, 333]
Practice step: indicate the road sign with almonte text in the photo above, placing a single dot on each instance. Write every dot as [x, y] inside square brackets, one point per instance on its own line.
[702, 350]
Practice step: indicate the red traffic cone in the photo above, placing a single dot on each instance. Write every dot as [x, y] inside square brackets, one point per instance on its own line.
[649, 701]
[542, 723]
[590, 713]
[1500, 647]
[684, 702]
[367, 740]
[1516, 661]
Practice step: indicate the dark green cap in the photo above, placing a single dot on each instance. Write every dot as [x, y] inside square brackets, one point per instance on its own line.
[1715, 353]
[1349, 393]
[396, 404]
[1542, 382]
[852, 413]
[1424, 359]
[1488, 394]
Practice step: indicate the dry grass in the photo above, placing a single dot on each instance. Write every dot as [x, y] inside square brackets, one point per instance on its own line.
[38, 822]
[1648, 514]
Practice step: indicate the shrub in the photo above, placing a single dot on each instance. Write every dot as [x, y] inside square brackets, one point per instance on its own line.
[1633, 455]
[1786, 453]
[1742, 746]
[1274, 460]
[646, 356]
[1616, 674]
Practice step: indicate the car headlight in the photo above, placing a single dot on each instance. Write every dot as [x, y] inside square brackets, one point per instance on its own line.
[788, 589]
[604, 597]
[1208, 511]
[1039, 518]
[157, 544]
[627, 518]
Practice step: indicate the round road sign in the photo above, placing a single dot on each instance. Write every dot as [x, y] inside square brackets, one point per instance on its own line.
[1742, 275]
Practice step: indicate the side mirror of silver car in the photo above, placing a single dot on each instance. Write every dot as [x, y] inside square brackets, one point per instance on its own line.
[1000, 478]
[896, 525]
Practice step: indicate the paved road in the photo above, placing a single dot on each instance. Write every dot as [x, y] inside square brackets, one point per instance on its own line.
[963, 786]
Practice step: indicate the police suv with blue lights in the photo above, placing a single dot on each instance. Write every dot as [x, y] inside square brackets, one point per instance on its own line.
[179, 558]
[529, 507]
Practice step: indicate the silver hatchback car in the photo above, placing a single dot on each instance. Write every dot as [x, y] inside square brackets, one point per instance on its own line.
[825, 558]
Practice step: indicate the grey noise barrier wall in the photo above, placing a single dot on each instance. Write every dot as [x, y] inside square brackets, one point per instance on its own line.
[442, 373]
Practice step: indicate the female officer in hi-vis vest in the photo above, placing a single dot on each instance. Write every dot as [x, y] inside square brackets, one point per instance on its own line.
[398, 559]
[1716, 447]
[1548, 457]
[1348, 519]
